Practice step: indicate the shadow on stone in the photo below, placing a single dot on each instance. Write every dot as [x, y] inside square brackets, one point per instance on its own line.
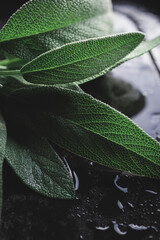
[117, 93]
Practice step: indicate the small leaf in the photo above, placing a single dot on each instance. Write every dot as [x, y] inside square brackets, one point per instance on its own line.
[39, 166]
[80, 61]
[3, 139]
[41, 16]
[12, 63]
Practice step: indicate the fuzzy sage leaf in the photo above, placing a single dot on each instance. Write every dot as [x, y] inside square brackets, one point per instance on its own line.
[41, 16]
[30, 47]
[39, 166]
[80, 61]
[116, 140]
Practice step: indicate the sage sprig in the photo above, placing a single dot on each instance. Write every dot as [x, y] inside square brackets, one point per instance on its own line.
[48, 49]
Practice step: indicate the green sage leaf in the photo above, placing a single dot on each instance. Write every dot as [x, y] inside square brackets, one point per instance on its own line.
[30, 47]
[41, 16]
[83, 125]
[80, 61]
[101, 119]
[142, 48]
[94, 147]
[39, 166]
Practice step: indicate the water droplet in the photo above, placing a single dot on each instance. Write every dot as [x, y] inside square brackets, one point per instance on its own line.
[102, 228]
[76, 185]
[136, 227]
[89, 220]
[117, 229]
[154, 228]
[81, 237]
[120, 205]
[150, 237]
[91, 163]
[125, 190]
[152, 192]
[130, 204]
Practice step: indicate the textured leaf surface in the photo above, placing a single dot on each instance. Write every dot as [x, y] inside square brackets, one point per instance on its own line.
[90, 129]
[103, 120]
[142, 48]
[3, 139]
[39, 167]
[94, 147]
[80, 61]
[39, 16]
[30, 47]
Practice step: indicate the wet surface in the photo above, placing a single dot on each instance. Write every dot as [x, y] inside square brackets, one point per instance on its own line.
[109, 204]
[142, 72]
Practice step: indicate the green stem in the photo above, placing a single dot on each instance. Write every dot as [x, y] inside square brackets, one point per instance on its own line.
[6, 62]
[9, 72]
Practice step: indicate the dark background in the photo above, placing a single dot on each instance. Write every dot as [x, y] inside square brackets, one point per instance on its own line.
[8, 7]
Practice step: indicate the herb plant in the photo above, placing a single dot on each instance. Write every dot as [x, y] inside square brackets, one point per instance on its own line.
[48, 49]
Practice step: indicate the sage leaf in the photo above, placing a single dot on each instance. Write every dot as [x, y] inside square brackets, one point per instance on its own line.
[80, 61]
[3, 139]
[30, 47]
[142, 48]
[94, 147]
[90, 128]
[41, 16]
[39, 166]
[99, 118]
